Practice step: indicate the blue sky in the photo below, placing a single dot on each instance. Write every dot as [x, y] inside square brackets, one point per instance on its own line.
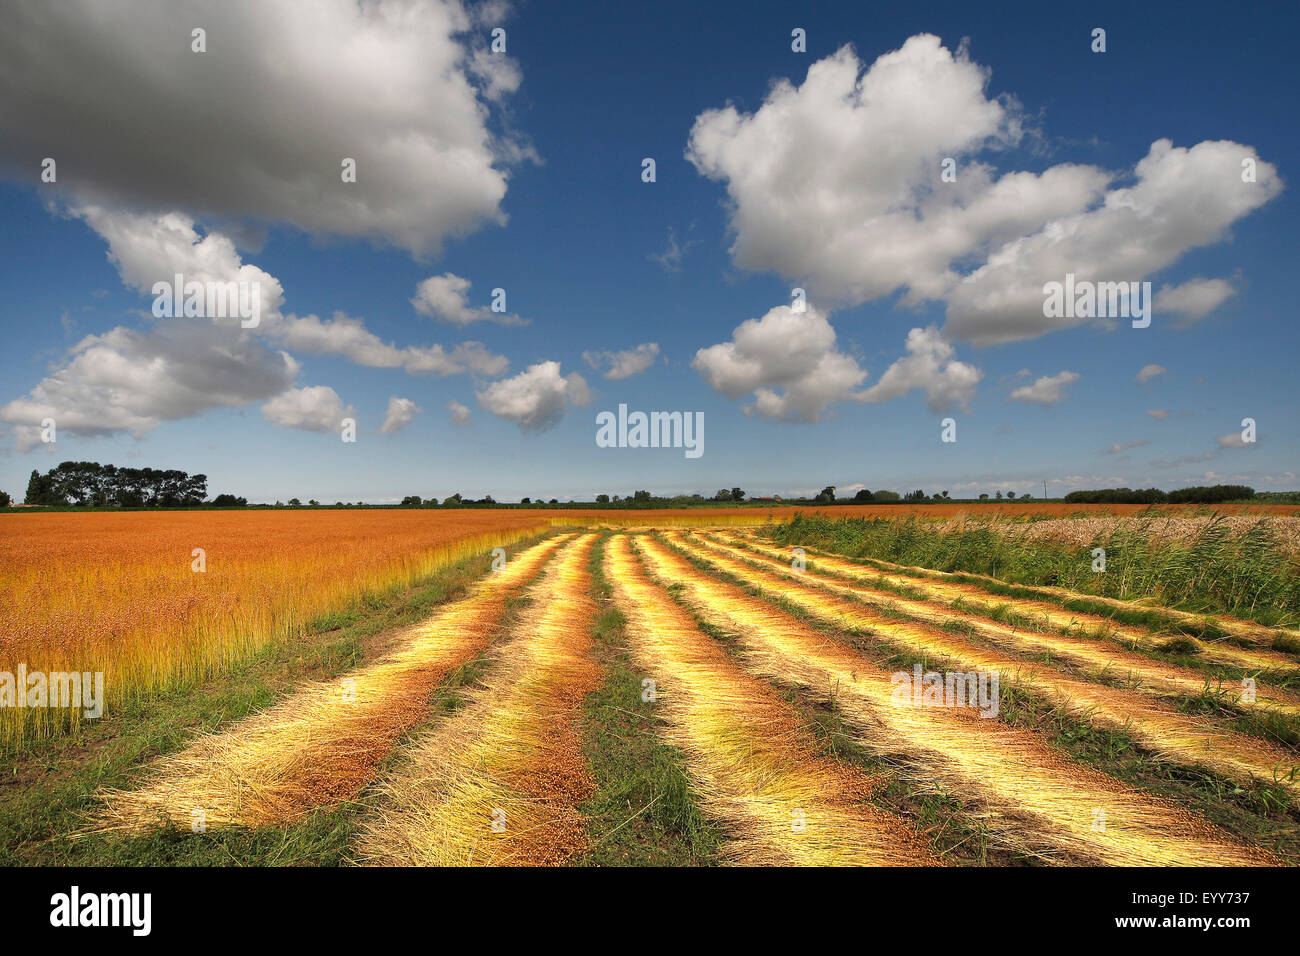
[795, 188]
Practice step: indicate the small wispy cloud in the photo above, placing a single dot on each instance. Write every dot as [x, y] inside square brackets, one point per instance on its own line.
[671, 258]
[460, 414]
[623, 363]
[1149, 372]
[1118, 447]
[401, 412]
[1047, 390]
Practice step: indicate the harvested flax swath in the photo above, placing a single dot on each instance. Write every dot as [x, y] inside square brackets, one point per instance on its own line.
[753, 768]
[319, 746]
[497, 783]
[1170, 735]
[1033, 800]
[1060, 639]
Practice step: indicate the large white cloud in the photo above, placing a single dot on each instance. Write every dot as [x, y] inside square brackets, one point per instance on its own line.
[929, 365]
[836, 184]
[133, 380]
[793, 365]
[535, 399]
[316, 408]
[1182, 198]
[257, 127]
[147, 248]
[789, 360]
[152, 248]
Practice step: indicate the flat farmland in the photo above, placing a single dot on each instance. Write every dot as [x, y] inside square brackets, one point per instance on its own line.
[741, 686]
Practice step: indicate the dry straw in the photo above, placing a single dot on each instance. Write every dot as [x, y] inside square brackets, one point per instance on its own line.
[1167, 733]
[498, 781]
[319, 746]
[1060, 634]
[1256, 633]
[751, 765]
[1032, 799]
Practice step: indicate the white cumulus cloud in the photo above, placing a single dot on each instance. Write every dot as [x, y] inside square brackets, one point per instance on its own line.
[124, 380]
[460, 414]
[401, 412]
[1182, 198]
[174, 368]
[259, 125]
[349, 337]
[789, 361]
[929, 365]
[446, 297]
[315, 408]
[537, 398]
[835, 184]
[792, 364]
[1194, 299]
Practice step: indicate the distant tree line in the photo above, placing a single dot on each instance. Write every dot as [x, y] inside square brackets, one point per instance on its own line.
[92, 484]
[1201, 494]
[88, 483]
[643, 499]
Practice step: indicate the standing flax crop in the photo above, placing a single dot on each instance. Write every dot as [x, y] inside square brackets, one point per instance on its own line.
[120, 593]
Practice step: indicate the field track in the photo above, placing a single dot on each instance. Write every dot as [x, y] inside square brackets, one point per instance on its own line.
[733, 646]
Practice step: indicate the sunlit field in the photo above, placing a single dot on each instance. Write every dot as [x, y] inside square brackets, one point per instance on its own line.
[157, 599]
[1162, 693]
[127, 595]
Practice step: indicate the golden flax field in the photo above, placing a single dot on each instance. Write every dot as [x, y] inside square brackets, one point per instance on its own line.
[654, 689]
[127, 594]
